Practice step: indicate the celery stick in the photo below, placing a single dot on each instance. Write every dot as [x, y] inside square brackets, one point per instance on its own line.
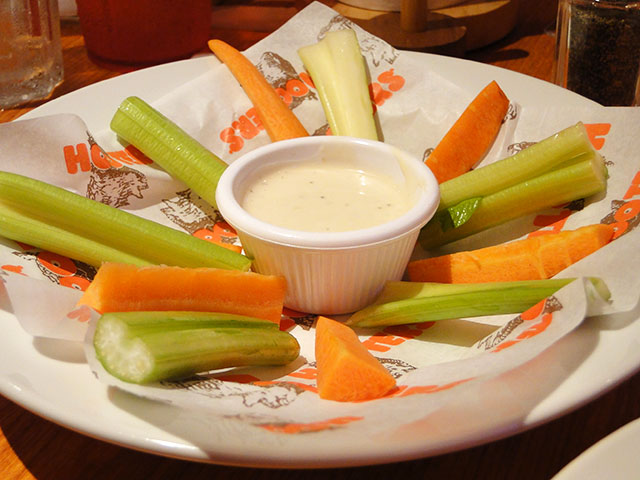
[338, 71]
[169, 146]
[560, 186]
[22, 228]
[560, 149]
[143, 347]
[414, 302]
[99, 223]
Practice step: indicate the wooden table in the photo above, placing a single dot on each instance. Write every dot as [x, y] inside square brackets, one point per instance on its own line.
[31, 447]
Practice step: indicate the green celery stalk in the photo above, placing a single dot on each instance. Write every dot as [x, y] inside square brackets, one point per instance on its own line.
[143, 347]
[561, 149]
[102, 224]
[563, 185]
[21, 228]
[339, 73]
[169, 146]
[414, 302]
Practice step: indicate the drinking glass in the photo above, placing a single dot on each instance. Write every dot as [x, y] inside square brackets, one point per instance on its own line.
[30, 51]
[143, 32]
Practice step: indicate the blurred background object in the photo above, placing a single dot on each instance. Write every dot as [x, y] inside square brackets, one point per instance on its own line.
[452, 27]
[144, 32]
[598, 50]
[30, 51]
[67, 8]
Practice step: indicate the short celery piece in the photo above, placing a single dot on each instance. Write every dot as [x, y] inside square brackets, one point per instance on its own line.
[415, 302]
[561, 149]
[578, 180]
[164, 142]
[104, 230]
[339, 73]
[145, 347]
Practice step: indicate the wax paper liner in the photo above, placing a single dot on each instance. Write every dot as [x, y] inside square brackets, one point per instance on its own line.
[433, 363]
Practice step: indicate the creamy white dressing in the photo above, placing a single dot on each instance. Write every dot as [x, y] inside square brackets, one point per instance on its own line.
[319, 196]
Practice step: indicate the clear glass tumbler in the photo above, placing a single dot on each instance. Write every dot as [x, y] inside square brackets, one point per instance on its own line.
[598, 50]
[30, 51]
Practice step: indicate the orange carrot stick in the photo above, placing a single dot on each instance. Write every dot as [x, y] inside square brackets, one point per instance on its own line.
[347, 371]
[471, 136]
[119, 287]
[276, 117]
[533, 258]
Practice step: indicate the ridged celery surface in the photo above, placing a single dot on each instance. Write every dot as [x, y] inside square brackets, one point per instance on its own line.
[339, 73]
[169, 146]
[22, 228]
[577, 180]
[55, 219]
[415, 302]
[143, 347]
[560, 149]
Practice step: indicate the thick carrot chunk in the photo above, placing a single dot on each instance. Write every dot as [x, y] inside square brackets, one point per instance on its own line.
[471, 136]
[119, 287]
[533, 258]
[347, 371]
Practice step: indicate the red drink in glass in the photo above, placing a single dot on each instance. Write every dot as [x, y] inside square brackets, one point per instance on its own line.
[144, 32]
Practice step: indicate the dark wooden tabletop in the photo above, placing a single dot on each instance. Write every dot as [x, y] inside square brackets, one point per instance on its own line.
[31, 447]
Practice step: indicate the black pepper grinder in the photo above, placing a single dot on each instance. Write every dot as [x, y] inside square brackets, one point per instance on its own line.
[598, 50]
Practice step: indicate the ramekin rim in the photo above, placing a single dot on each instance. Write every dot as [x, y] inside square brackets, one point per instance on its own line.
[234, 214]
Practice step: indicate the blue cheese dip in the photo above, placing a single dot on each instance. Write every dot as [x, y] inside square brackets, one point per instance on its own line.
[325, 196]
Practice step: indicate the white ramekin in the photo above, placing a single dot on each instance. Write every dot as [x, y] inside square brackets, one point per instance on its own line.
[330, 272]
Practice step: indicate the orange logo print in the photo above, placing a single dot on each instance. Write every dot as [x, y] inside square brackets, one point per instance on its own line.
[13, 268]
[551, 223]
[309, 427]
[64, 268]
[596, 133]
[222, 234]
[294, 88]
[80, 157]
[130, 155]
[57, 268]
[405, 391]
[245, 128]
[538, 311]
[378, 93]
[80, 314]
[395, 335]
[625, 213]
[298, 385]
[307, 373]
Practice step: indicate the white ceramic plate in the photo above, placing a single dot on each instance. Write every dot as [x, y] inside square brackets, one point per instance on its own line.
[52, 379]
[617, 456]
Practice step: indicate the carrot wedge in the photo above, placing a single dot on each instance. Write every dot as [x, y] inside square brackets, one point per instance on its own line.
[276, 117]
[534, 258]
[119, 287]
[347, 371]
[471, 136]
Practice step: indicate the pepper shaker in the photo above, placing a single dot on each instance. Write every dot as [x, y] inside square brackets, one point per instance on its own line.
[598, 50]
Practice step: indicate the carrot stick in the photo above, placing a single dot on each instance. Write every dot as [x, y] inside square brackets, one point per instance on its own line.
[471, 136]
[533, 258]
[276, 117]
[347, 371]
[119, 287]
